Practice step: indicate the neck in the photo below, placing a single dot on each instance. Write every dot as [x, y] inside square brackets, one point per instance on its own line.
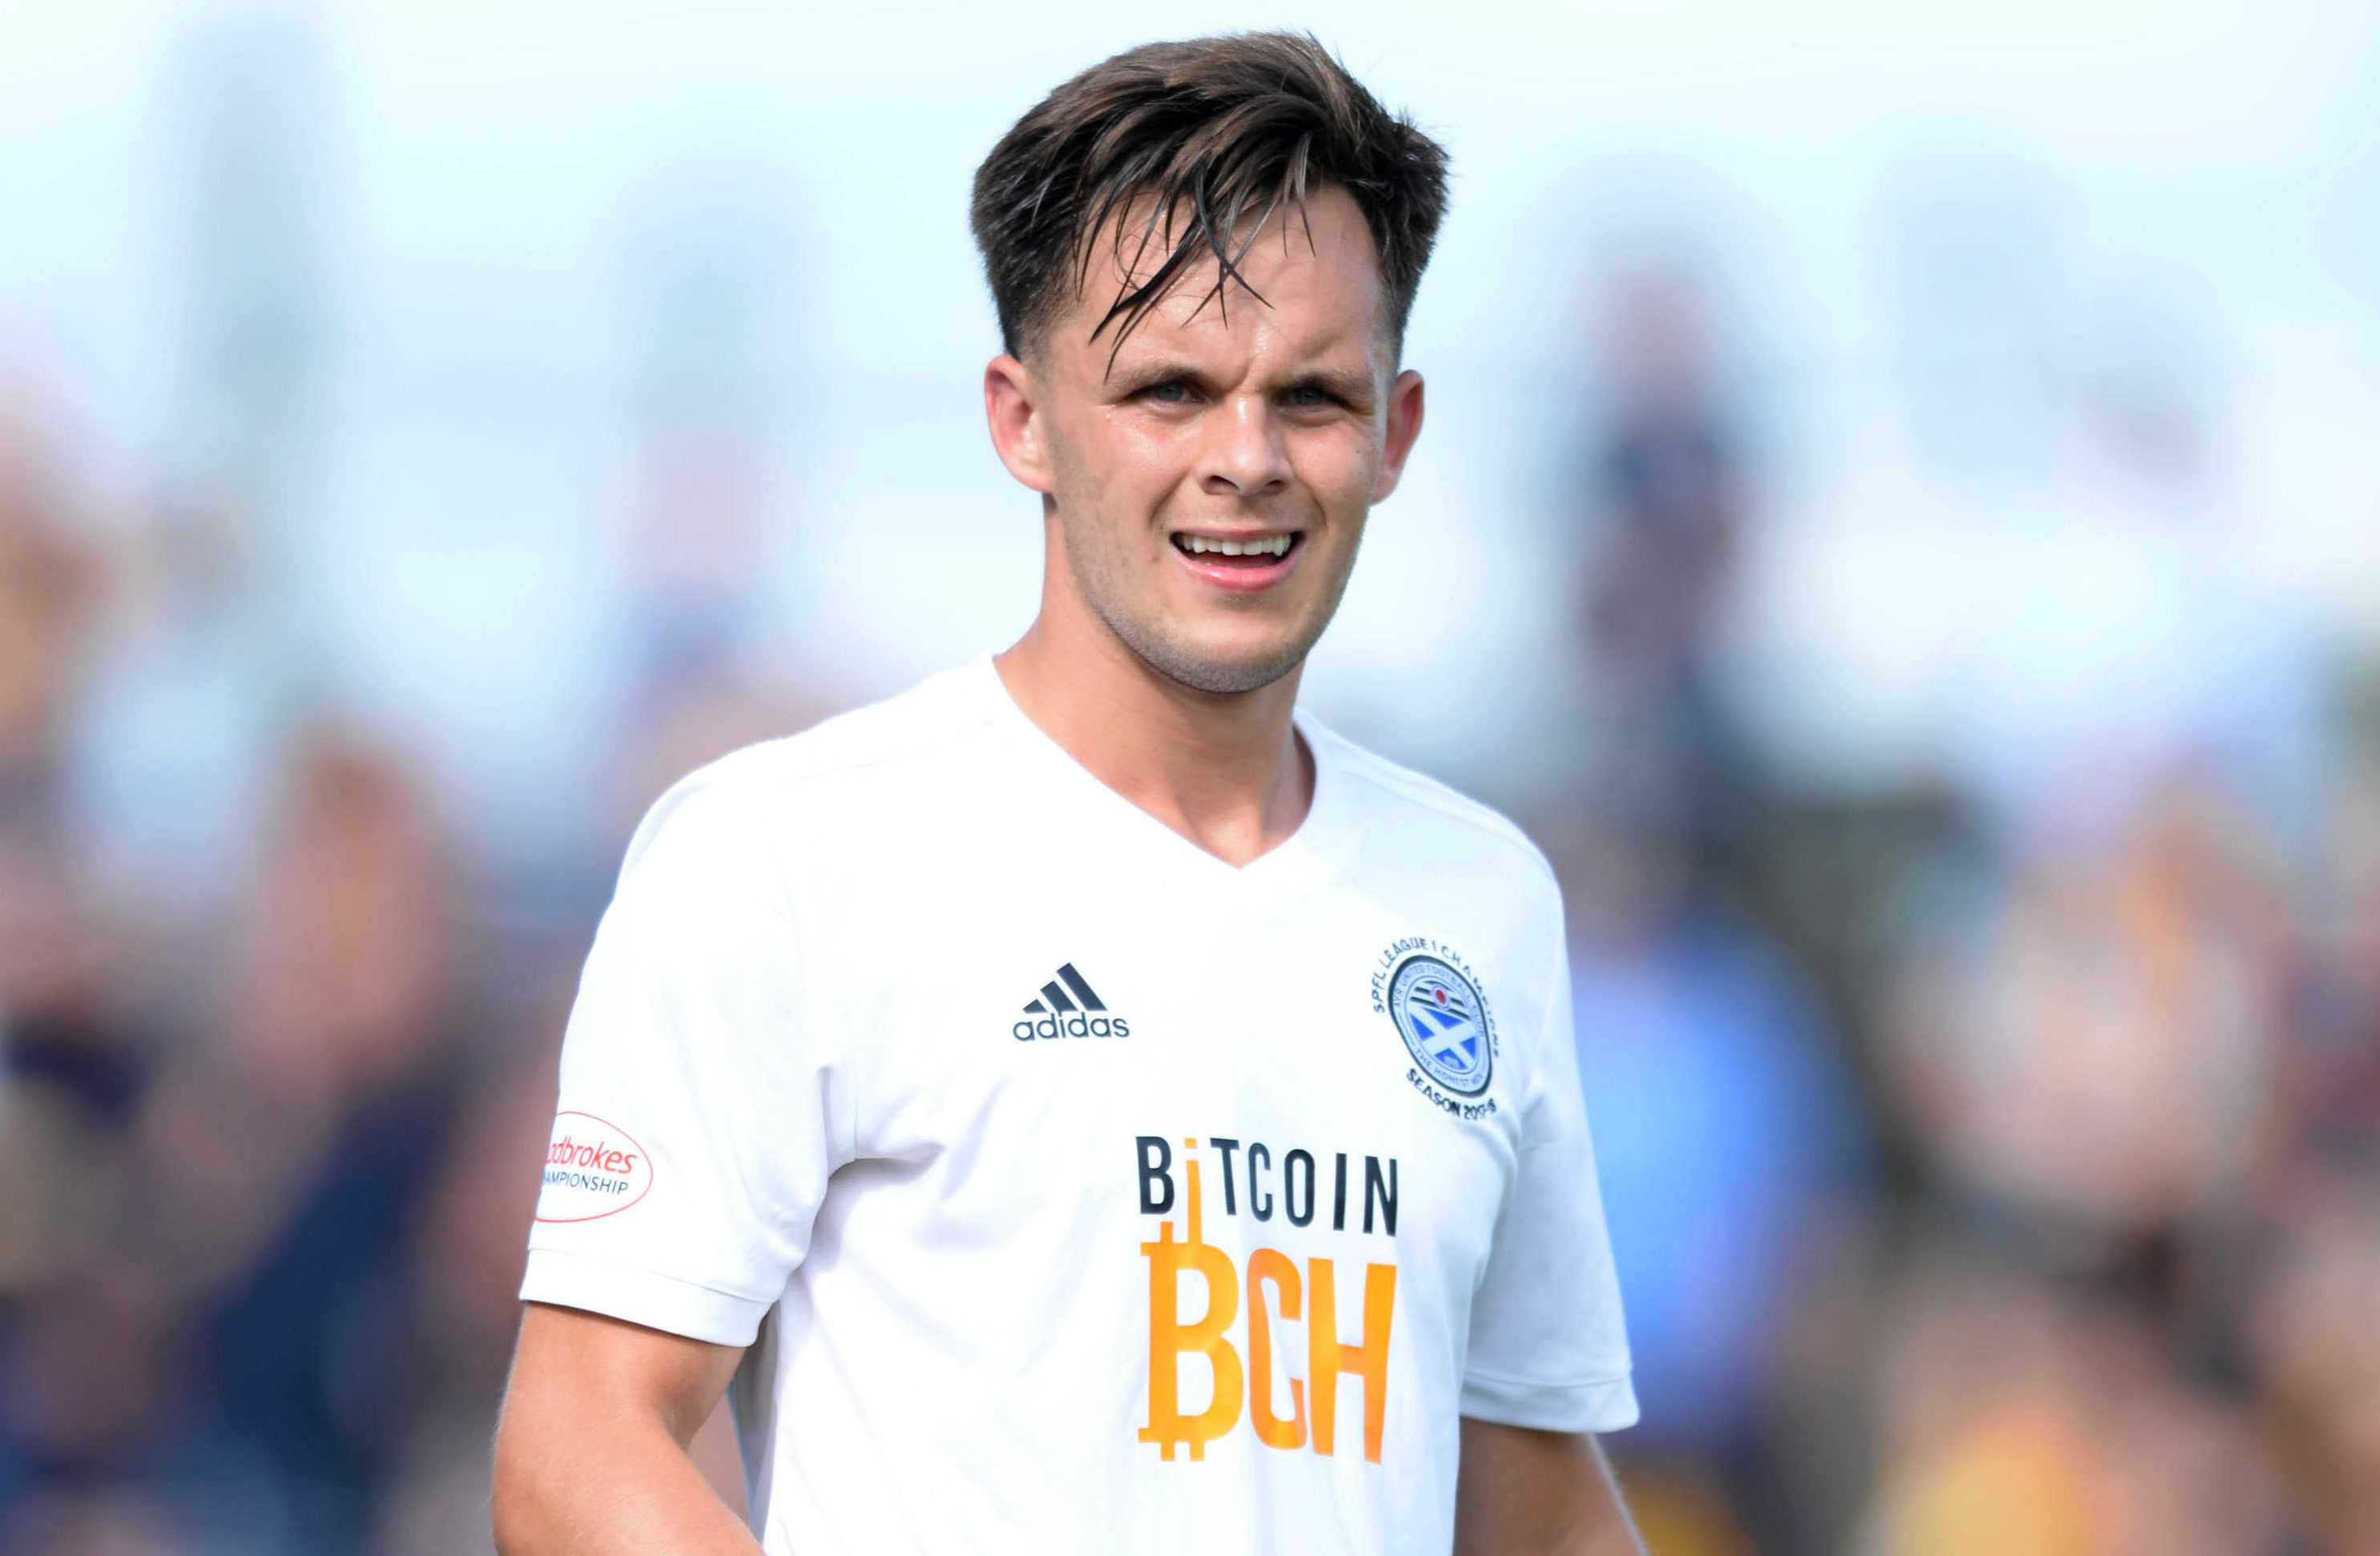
[1225, 769]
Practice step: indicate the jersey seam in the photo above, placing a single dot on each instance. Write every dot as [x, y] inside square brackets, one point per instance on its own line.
[1423, 790]
[573, 1254]
[805, 1016]
[765, 786]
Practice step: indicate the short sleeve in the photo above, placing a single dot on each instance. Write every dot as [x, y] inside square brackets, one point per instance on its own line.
[699, 1119]
[1549, 1348]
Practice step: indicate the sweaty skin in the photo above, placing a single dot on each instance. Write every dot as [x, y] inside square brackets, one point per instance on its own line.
[1167, 667]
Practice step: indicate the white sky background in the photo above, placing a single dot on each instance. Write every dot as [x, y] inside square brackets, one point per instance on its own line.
[487, 168]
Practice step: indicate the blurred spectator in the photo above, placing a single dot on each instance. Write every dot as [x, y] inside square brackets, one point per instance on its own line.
[1669, 498]
[2099, 1046]
[96, 1523]
[292, 1241]
[2020, 1422]
[45, 597]
[172, 743]
[2313, 1341]
[83, 1366]
[1730, 1154]
[2331, 1061]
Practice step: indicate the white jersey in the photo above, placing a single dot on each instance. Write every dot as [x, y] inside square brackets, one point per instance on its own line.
[1074, 1190]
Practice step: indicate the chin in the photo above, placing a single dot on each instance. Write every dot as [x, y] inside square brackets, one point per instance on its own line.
[1223, 668]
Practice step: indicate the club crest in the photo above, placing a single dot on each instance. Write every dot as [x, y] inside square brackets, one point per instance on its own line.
[1438, 1011]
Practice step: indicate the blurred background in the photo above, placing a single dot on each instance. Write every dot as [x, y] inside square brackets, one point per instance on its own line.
[1900, 522]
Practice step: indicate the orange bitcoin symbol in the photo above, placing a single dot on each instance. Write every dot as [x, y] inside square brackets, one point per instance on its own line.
[1169, 1338]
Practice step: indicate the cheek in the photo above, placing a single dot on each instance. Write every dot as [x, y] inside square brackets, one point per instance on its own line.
[1339, 466]
[1148, 456]
[1119, 465]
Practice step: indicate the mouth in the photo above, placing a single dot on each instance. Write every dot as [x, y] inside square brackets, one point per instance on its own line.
[1245, 561]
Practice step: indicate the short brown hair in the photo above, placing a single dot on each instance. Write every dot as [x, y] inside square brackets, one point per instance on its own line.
[1211, 136]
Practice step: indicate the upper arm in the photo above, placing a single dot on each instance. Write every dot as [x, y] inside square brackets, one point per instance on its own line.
[574, 1361]
[1520, 1492]
[591, 1448]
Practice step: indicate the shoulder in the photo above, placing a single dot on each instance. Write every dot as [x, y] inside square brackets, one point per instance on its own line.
[1450, 827]
[1462, 878]
[845, 768]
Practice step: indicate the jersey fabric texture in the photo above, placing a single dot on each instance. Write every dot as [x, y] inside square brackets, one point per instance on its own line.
[1072, 1189]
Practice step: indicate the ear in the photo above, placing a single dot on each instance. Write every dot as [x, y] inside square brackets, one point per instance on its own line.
[1404, 425]
[1009, 393]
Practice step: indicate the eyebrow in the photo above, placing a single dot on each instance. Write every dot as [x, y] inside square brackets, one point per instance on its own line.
[1132, 379]
[1354, 387]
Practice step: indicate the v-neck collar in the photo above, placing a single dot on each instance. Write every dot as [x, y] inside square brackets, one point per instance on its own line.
[1306, 858]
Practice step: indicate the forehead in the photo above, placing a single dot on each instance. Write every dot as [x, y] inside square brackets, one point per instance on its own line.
[1312, 265]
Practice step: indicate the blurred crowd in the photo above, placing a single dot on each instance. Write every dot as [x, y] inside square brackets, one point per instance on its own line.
[1994, 1157]
[262, 1120]
[1992, 1154]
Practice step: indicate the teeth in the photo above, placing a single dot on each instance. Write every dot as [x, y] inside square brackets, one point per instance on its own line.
[1260, 545]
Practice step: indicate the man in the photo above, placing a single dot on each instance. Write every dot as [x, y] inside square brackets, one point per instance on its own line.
[1081, 1105]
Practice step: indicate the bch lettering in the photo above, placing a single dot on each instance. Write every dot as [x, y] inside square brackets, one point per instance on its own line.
[1170, 1339]
[1272, 1266]
[1326, 1359]
[1313, 1417]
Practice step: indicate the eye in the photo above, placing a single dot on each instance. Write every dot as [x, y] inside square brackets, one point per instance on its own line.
[1173, 392]
[1306, 397]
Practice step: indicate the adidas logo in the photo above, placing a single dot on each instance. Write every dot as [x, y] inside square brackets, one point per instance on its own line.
[1069, 1007]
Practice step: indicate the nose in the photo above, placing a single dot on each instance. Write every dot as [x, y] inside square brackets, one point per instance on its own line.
[1245, 455]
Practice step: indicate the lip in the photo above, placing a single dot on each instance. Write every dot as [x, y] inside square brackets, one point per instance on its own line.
[1237, 577]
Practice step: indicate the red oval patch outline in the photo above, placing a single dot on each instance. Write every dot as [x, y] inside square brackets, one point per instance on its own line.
[556, 1140]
